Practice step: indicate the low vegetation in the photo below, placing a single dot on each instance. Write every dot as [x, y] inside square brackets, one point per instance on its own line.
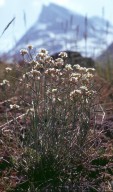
[52, 138]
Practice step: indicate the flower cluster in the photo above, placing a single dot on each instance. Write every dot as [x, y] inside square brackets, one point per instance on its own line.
[8, 69]
[23, 52]
[14, 106]
[57, 81]
[63, 54]
[5, 83]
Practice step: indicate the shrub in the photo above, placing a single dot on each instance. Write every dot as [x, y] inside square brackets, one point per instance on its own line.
[59, 123]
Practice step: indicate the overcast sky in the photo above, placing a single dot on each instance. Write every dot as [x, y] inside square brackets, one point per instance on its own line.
[32, 8]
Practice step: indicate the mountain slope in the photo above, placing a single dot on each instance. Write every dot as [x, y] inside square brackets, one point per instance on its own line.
[58, 28]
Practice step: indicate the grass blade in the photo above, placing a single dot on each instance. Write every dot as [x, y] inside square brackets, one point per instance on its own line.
[24, 18]
[8, 26]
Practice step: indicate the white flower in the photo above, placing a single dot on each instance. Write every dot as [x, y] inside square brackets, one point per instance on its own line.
[83, 88]
[20, 80]
[74, 79]
[75, 75]
[8, 69]
[53, 99]
[25, 75]
[42, 55]
[38, 66]
[59, 62]
[91, 92]
[68, 67]
[63, 54]
[50, 71]
[75, 93]
[30, 47]
[91, 70]
[35, 72]
[44, 51]
[48, 59]
[89, 75]
[59, 99]
[77, 66]
[5, 82]
[23, 52]
[54, 90]
[14, 106]
[83, 69]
